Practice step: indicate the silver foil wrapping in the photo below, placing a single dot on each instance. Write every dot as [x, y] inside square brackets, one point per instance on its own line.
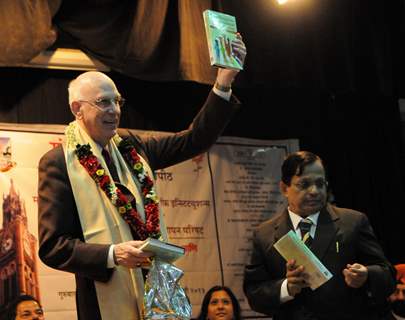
[164, 297]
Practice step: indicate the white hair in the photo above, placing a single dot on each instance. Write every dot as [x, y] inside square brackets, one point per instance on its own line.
[91, 78]
[74, 91]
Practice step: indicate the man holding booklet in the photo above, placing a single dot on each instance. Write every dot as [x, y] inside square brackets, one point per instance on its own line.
[355, 278]
[96, 193]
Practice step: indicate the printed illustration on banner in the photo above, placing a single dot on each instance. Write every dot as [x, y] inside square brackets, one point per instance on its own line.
[17, 248]
[6, 162]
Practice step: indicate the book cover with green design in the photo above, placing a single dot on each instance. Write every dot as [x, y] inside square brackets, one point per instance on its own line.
[221, 30]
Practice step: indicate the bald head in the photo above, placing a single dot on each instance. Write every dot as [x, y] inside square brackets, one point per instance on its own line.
[94, 101]
[86, 82]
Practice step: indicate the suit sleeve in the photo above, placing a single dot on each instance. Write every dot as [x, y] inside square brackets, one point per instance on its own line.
[261, 285]
[61, 244]
[166, 149]
[381, 275]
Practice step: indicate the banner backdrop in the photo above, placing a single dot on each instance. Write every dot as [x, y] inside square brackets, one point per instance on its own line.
[211, 205]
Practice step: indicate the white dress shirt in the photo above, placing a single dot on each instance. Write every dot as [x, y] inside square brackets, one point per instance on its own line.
[296, 219]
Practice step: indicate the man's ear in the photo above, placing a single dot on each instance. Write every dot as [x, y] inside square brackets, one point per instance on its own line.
[283, 188]
[75, 107]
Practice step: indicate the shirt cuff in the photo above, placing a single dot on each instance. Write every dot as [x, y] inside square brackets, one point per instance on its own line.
[222, 94]
[284, 296]
[110, 259]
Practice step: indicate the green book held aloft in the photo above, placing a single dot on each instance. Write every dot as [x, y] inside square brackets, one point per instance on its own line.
[221, 30]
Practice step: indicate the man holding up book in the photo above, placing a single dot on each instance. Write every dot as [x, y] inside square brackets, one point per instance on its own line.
[96, 194]
[343, 241]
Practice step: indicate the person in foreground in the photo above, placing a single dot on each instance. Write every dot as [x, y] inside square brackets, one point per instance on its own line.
[96, 193]
[219, 303]
[25, 307]
[342, 239]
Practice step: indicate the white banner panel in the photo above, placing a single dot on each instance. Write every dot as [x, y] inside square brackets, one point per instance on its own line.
[24, 149]
[223, 195]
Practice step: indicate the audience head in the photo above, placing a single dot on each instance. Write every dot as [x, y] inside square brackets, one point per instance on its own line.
[219, 303]
[303, 182]
[96, 104]
[25, 307]
[397, 299]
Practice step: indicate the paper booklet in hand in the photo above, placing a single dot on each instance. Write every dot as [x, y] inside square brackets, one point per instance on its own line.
[291, 247]
[221, 30]
[165, 251]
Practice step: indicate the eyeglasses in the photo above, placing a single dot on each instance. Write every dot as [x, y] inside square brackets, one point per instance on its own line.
[307, 184]
[105, 104]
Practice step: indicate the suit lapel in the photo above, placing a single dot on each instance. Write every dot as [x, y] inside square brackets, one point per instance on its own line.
[282, 226]
[326, 230]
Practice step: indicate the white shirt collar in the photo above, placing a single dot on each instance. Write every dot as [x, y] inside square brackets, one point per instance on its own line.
[397, 317]
[295, 218]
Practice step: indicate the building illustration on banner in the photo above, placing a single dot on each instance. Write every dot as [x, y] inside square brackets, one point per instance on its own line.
[18, 260]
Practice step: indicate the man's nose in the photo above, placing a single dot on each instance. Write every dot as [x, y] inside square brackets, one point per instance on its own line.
[113, 108]
[313, 188]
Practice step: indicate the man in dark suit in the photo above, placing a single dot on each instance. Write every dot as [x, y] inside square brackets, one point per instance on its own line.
[97, 199]
[341, 238]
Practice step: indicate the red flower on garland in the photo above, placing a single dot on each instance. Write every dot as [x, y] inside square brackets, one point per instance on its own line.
[149, 228]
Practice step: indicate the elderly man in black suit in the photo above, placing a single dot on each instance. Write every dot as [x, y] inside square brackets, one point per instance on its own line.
[97, 199]
[341, 238]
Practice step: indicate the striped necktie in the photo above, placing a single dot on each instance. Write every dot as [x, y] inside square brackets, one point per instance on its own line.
[305, 227]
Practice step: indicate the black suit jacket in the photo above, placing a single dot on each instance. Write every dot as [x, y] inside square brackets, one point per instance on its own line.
[334, 299]
[60, 234]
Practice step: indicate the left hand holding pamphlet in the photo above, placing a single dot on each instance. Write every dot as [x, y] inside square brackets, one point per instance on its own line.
[292, 248]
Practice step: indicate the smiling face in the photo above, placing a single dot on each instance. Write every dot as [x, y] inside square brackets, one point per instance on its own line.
[100, 125]
[220, 306]
[307, 193]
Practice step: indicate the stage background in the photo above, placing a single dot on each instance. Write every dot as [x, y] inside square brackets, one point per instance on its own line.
[211, 205]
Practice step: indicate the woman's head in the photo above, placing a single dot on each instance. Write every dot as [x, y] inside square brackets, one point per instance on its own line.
[219, 303]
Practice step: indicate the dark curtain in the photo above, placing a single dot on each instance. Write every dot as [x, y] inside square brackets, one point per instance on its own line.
[332, 44]
[338, 45]
[328, 73]
[26, 29]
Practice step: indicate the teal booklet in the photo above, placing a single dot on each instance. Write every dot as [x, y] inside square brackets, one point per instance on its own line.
[221, 30]
[165, 251]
